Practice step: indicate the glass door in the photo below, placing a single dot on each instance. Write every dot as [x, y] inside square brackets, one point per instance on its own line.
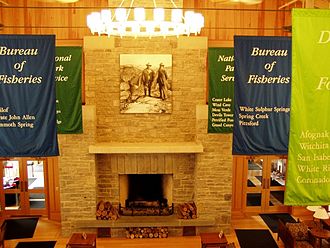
[254, 179]
[11, 185]
[276, 178]
[264, 184]
[35, 185]
[24, 186]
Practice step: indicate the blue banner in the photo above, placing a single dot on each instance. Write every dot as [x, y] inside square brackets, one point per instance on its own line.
[27, 96]
[261, 95]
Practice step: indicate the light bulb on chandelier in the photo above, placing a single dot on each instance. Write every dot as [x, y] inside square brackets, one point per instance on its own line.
[120, 22]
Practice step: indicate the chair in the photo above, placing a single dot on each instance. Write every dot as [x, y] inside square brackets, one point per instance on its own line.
[295, 235]
[2, 233]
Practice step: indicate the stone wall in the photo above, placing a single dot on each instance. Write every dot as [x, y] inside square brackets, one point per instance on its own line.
[204, 178]
[77, 173]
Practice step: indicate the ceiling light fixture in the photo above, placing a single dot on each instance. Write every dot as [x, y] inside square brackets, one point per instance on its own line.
[122, 22]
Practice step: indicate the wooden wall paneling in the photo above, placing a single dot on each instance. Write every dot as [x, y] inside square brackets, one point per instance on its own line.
[278, 19]
[7, 20]
[169, 164]
[54, 203]
[144, 164]
[220, 43]
[245, 23]
[129, 168]
[28, 23]
[228, 21]
[237, 184]
[133, 160]
[223, 21]
[261, 19]
[1, 17]
[161, 163]
[115, 163]
[68, 21]
[154, 164]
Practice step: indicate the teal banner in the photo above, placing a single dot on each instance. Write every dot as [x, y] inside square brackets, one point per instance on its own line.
[221, 90]
[68, 61]
[308, 175]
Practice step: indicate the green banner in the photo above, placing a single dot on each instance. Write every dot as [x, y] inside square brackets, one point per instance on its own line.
[68, 62]
[308, 175]
[221, 90]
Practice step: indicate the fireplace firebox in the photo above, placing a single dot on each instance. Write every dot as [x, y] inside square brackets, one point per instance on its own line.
[146, 194]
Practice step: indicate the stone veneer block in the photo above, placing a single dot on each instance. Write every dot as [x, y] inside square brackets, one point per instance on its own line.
[201, 112]
[185, 42]
[98, 42]
[89, 112]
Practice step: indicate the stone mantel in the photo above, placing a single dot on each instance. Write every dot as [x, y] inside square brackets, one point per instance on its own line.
[143, 148]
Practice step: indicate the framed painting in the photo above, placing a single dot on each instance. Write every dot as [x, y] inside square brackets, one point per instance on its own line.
[146, 83]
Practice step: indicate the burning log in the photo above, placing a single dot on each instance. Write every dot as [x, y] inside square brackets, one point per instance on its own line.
[146, 232]
[187, 210]
[106, 211]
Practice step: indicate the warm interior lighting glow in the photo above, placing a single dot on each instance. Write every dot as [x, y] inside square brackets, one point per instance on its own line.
[321, 214]
[121, 22]
[313, 208]
[159, 14]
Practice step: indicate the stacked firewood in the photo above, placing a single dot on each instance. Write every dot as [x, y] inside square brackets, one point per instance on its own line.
[146, 232]
[106, 211]
[187, 210]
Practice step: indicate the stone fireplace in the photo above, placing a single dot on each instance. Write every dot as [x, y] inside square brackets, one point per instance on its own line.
[146, 177]
[93, 165]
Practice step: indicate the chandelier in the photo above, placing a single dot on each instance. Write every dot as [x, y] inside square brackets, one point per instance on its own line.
[134, 22]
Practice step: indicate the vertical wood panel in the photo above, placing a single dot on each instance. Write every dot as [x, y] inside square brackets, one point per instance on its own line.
[54, 204]
[162, 163]
[120, 166]
[155, 161]
[144, 165]
[169, 164]
[132, 159]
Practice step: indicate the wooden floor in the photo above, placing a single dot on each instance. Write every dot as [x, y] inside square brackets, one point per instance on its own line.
[49, 230]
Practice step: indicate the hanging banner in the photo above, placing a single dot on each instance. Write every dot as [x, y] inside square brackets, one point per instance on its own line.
[27, 96]
[68, 61]
[308, 175]
[262, 95]
[221, 90]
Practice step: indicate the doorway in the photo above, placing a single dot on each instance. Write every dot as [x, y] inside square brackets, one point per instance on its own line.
[259, 184]
[24, 187]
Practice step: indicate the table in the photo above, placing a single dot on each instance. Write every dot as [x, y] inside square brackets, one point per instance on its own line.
[213, 239]
[77, 241]
[320, 234]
